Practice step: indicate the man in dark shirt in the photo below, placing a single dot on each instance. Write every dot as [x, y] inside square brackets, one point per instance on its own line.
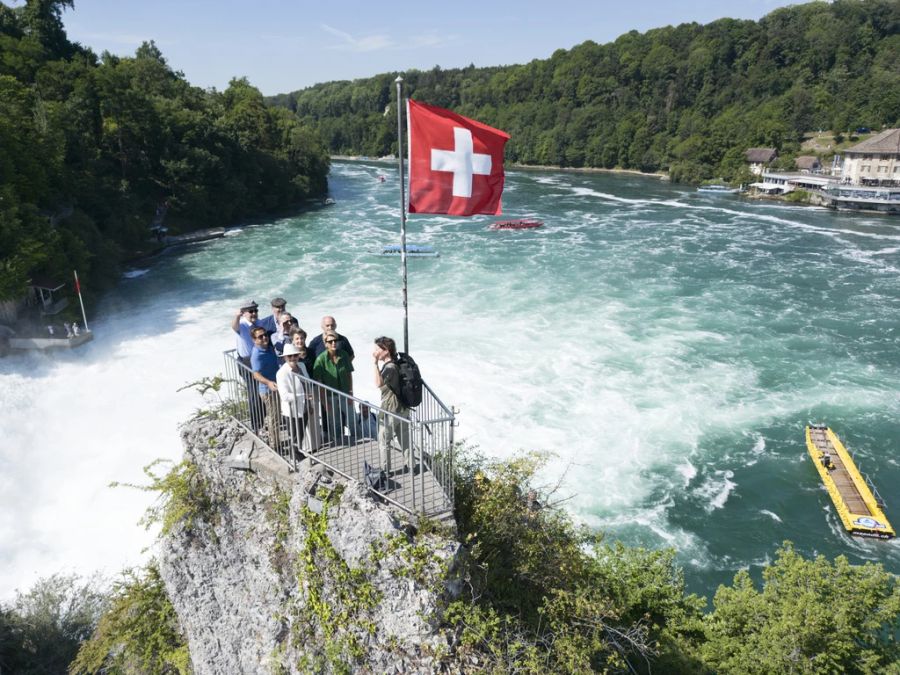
[317, 345]
[272, 323]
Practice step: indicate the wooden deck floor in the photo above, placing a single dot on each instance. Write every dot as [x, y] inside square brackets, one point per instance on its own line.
[411, 487]
[840, 475]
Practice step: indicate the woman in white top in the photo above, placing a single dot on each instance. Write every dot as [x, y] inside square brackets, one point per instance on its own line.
[293, 396]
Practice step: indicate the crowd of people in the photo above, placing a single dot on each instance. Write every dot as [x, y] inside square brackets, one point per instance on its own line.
[281, 375]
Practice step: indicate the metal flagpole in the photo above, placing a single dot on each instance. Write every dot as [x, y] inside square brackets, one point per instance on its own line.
[399, 82]
[80, 301]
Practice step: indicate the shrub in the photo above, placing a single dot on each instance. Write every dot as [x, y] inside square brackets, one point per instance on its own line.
[547, 596]
[139, 633]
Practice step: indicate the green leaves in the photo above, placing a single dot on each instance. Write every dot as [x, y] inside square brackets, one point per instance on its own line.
[811, 616]
[139, 632]
[108, 140]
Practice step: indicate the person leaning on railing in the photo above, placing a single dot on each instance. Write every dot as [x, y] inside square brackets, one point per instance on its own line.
[264, 363]
[387, 379]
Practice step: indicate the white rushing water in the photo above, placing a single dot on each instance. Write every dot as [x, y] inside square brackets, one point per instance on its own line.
[666, 347]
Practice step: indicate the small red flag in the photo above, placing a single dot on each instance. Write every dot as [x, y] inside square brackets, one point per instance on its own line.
[77, 285]
[455, 163]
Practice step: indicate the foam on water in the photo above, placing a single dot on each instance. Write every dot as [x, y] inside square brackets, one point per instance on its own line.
[666, 350]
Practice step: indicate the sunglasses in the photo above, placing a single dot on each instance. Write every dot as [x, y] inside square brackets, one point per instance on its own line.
[330, 342]
[261, 337]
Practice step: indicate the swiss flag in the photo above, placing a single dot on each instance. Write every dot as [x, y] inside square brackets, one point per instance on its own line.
[455, 164]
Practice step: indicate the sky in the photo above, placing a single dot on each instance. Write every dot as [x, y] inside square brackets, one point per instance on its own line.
[282, 46]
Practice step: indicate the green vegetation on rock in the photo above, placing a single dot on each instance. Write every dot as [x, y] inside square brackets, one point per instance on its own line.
[183, 497]
[139, 633]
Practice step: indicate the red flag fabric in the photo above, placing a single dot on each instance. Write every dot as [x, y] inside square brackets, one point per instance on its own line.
[77, 285]
[455, 163]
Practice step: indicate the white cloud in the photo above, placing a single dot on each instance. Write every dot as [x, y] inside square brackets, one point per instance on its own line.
[370, 43]
[376, 42]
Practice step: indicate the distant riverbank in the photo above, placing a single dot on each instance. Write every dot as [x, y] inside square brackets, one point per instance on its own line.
[515, 165]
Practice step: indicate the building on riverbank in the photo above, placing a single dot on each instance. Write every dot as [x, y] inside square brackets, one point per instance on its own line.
[875, 161]
[869, 179]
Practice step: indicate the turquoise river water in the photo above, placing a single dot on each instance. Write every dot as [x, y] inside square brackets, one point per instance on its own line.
[666, 346]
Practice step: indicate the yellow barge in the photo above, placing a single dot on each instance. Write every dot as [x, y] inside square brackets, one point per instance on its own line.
[855, 498]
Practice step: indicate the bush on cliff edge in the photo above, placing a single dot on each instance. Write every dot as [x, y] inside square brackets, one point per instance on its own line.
[544, 595]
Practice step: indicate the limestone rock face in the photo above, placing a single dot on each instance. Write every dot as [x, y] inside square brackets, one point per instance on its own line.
[300, 572]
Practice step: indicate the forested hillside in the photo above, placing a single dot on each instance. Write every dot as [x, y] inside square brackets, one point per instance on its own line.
[91, 146]
[688, 99]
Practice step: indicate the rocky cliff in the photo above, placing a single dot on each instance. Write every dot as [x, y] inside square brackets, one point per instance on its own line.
[299, 572]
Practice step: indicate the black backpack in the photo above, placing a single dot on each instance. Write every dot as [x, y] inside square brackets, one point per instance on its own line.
[410, 393]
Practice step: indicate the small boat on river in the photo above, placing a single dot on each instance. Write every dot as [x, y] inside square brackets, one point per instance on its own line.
[858, 503]
[518, 224]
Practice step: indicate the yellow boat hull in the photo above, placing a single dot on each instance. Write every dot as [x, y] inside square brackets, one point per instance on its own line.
[860, 512]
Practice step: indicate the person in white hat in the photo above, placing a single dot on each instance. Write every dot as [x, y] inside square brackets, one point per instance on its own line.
[293, 396]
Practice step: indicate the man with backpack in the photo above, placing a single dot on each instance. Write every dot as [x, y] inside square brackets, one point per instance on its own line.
[388, 380]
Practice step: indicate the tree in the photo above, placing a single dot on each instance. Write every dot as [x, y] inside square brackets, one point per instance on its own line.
[139, 633]
[811, 616]
[42, 631]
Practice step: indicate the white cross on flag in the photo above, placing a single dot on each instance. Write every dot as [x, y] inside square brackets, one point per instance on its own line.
[455, 164]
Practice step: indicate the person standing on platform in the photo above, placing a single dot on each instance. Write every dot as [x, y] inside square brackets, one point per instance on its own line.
[298, 339]
[334, 368]
[264, 363]
[272, 323]
[313, 428]
[244, 321]
[282, 336]
[390, 427]
[293, 394]
[317, 344]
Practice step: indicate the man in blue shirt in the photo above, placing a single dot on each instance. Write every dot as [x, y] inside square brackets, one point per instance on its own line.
[264, 364]
[243, 322]
[245, 319]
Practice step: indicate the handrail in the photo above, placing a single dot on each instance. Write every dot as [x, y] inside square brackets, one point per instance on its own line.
[334, 434]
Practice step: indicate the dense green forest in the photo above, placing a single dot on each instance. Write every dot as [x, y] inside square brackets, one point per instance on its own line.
[91, 146]
[688, 99]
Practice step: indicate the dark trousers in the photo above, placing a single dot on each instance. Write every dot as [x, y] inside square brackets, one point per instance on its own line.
[257, 411]
[296, 427]
[339, 412]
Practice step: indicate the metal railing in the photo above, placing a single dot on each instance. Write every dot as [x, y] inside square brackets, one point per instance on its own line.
[342, 433]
